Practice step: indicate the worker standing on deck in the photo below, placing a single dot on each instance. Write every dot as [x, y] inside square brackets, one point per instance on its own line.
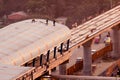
[97, 40]
[47, 21]
[107, 40]
[33, 20]
[54, 22]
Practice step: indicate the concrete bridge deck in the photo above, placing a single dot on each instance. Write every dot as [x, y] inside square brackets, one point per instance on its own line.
[86, 32]
[83, 34]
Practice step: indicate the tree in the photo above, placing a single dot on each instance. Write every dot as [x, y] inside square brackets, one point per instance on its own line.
[37, 5]
[3, 7]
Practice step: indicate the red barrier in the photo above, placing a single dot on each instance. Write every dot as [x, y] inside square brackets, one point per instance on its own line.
[78, 66]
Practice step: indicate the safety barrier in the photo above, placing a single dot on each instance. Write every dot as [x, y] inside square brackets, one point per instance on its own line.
[101, 52]
[110, 70]
[75, 68]
[79, 65]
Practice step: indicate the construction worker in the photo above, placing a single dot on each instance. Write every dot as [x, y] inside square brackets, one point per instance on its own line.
[33, 20]
[54, 22]
[97, 40]
[47, 21]
[107, 40]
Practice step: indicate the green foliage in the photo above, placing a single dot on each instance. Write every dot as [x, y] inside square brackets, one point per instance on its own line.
[3, 5]
[36, 5]
[74, 10]
[87, 9]
[5, 2]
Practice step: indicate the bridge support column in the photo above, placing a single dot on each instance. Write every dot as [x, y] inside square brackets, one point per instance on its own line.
[116, 42]
[87, 58]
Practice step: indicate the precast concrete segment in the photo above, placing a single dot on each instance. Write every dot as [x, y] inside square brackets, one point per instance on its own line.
[25, 40]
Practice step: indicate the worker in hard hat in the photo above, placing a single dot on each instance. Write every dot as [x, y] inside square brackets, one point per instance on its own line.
[107, 40]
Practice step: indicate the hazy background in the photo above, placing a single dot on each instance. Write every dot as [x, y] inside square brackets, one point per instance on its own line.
[74, 10]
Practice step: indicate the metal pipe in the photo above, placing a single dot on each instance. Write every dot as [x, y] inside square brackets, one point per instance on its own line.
[68, 44]
[48, 53]
[85, 77]
[61, 48]
[55, 48]
[41, 59]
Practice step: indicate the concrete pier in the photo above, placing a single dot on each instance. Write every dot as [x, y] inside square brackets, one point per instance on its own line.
[87, 58]
[116, 42]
